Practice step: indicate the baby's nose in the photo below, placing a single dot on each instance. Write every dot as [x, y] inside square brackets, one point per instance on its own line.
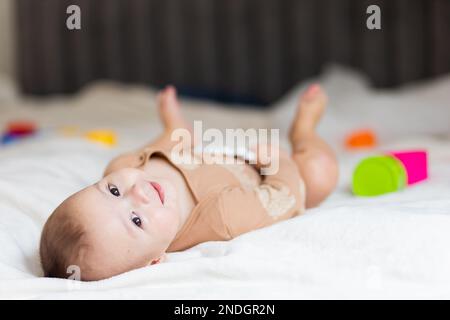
[140, 193]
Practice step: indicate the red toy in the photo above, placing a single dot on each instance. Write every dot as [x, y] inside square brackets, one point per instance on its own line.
[16, 130]
[20, 128]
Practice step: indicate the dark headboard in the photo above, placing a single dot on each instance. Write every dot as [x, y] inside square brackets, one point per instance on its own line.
[231, 50]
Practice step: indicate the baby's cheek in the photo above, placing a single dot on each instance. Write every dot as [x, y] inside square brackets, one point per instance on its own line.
[167, 221]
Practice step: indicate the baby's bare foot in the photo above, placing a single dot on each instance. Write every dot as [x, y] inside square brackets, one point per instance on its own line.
[309, 111]
[169, 109]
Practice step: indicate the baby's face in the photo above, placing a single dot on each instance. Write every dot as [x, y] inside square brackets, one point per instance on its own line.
[130, 219]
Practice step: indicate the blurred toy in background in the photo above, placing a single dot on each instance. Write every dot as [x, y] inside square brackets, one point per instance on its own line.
[361, 139]
[104, 136]
[393, 171]
[415, 163]
[70, 131]
[16, 130]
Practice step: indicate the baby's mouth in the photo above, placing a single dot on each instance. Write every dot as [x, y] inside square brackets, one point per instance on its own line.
[159, 190]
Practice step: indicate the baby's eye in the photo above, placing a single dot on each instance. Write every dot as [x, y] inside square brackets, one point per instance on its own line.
[136, 220]
[113, 189]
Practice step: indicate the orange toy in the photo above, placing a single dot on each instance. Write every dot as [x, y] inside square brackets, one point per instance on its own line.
[359, 139]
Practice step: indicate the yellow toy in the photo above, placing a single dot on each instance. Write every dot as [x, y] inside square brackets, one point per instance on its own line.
[70, 131]
[103, 136]
[107, 137]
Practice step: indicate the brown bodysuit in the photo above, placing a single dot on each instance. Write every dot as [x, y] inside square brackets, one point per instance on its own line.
[231, 199]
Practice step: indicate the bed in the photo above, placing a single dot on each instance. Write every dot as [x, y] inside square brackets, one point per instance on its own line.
[393, 246]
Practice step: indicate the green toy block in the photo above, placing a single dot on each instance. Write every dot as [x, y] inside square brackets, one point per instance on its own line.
[378, 175]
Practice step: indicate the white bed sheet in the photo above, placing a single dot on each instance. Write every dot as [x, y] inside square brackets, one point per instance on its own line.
[395, 246]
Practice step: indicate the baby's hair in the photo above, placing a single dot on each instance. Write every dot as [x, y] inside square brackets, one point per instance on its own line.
[62, 243]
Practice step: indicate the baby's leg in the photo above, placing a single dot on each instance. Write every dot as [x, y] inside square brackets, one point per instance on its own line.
[170, 115]
[314, 157]
[169, 110]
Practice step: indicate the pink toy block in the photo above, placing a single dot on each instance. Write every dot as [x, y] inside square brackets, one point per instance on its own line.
[415, 163]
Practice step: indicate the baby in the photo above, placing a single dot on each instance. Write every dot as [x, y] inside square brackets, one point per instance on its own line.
[147, 204]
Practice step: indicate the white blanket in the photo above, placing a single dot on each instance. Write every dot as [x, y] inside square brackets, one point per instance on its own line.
[394, 246]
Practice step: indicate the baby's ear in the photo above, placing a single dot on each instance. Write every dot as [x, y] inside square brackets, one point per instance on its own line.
[162, 258]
